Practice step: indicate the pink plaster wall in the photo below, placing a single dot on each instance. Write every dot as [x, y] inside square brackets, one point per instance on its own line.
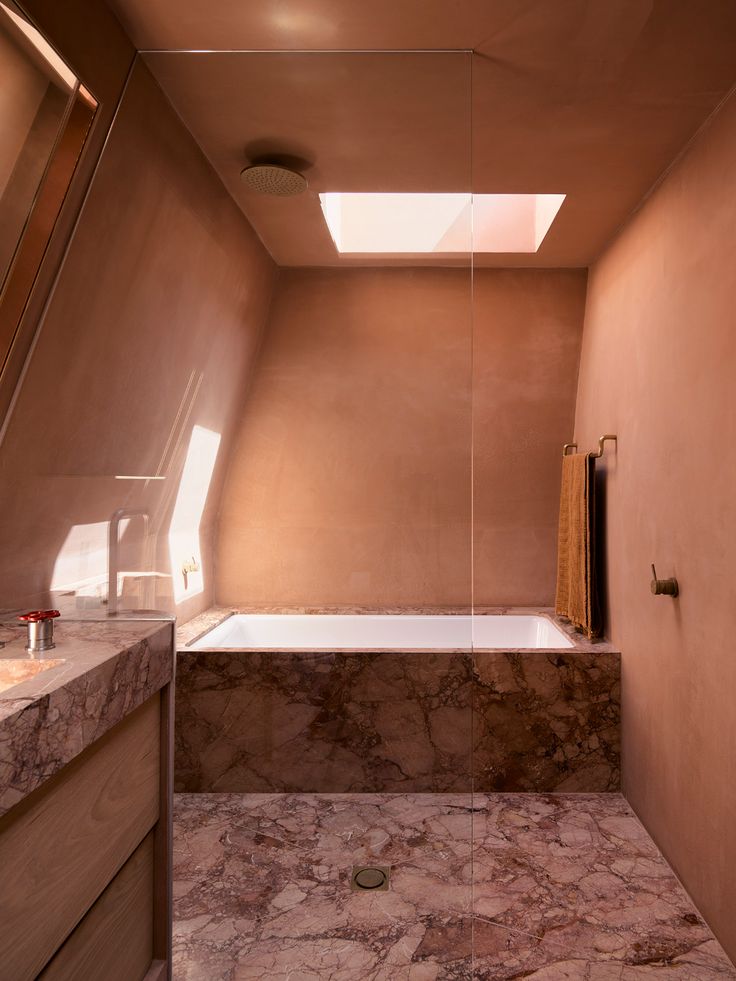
[350, 478]
[350, 481]
[657, 368]
[527, 328]
[163, 292]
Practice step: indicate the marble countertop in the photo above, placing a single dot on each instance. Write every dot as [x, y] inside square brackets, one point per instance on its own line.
[102, 670]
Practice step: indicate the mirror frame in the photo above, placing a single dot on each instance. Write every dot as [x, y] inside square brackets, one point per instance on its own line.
[16, 331]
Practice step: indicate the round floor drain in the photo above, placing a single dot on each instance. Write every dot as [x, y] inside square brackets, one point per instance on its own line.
[369, 877]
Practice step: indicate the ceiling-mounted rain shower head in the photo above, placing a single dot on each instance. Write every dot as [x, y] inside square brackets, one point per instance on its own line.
[271, 178]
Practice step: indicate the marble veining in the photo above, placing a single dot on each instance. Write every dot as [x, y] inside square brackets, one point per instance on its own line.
[491, 887]
[323, 722]
[108, 668]
[364, 722]
[546, 721]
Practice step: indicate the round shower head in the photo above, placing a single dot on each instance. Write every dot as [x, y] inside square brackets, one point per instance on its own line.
[268, 178]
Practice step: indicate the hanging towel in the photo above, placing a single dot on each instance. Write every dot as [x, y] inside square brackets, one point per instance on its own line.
[576, 598]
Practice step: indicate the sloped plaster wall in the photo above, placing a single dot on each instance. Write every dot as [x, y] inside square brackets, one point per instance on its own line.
[657, 368]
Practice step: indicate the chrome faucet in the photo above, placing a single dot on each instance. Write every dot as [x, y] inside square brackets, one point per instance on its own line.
[112, 552]
[40, 625]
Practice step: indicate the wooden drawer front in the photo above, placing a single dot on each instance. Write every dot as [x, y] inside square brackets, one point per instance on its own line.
[115, 939]
[61, 846]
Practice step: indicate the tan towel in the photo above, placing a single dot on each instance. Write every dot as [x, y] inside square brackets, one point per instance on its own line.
[576, 597]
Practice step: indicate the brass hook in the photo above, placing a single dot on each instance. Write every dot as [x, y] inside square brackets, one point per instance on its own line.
[595, 456]
[601, 441]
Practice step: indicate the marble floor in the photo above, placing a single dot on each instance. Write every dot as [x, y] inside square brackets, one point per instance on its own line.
[500, 886]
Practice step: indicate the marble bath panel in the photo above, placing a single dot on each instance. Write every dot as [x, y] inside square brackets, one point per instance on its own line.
[546, 721]
[323, 722]
[491, 887]
[363, 722]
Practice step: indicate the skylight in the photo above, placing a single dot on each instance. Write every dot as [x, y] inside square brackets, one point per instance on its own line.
[439, 223]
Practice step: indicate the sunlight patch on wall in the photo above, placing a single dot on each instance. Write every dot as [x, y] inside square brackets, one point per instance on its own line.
[81, 565]
[394, 224]
[184, 541]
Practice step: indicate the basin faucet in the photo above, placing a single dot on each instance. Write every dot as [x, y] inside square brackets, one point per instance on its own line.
[112, 552]
[40, 625]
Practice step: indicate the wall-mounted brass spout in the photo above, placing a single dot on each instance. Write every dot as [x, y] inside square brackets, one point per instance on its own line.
[189, 565]
[663, 587]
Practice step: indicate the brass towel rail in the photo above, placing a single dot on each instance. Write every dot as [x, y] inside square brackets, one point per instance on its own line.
[601, 441]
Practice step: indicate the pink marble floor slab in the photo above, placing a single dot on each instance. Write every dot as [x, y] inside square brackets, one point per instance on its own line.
[499, 886]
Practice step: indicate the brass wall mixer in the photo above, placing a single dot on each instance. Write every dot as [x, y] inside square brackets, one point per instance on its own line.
[663, 587]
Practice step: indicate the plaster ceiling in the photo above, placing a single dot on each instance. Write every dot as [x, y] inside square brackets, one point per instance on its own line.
[590, 98]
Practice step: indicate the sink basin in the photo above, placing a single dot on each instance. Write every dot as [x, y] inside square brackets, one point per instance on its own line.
[15, 671]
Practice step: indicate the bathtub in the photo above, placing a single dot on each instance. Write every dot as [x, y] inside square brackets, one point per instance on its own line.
[416, 702]
[397, 632]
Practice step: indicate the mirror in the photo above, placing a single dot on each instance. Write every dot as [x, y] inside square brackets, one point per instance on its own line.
[45, 117]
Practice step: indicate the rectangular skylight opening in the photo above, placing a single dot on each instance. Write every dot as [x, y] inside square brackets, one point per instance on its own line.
[417, 224]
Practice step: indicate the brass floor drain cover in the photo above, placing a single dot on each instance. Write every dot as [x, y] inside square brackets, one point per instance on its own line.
[369, 878]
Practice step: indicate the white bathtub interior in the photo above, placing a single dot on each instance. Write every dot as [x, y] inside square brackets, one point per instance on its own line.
[382, 631]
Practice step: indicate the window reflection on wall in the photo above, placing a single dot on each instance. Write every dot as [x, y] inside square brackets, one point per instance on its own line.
[81, 565]
[184, 540]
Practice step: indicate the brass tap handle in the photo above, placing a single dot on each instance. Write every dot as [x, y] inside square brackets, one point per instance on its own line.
[663, 587]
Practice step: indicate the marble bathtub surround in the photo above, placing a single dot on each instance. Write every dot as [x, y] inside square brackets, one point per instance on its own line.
[492, 887]
[102, 671]
[546, 721]
[323, 722]
[191, 631]
[394, 721]
[195, 628]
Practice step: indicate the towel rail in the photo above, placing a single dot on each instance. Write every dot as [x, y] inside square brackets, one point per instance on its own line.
[601, 441]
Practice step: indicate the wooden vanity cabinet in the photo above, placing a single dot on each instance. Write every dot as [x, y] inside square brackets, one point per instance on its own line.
[85, 861]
